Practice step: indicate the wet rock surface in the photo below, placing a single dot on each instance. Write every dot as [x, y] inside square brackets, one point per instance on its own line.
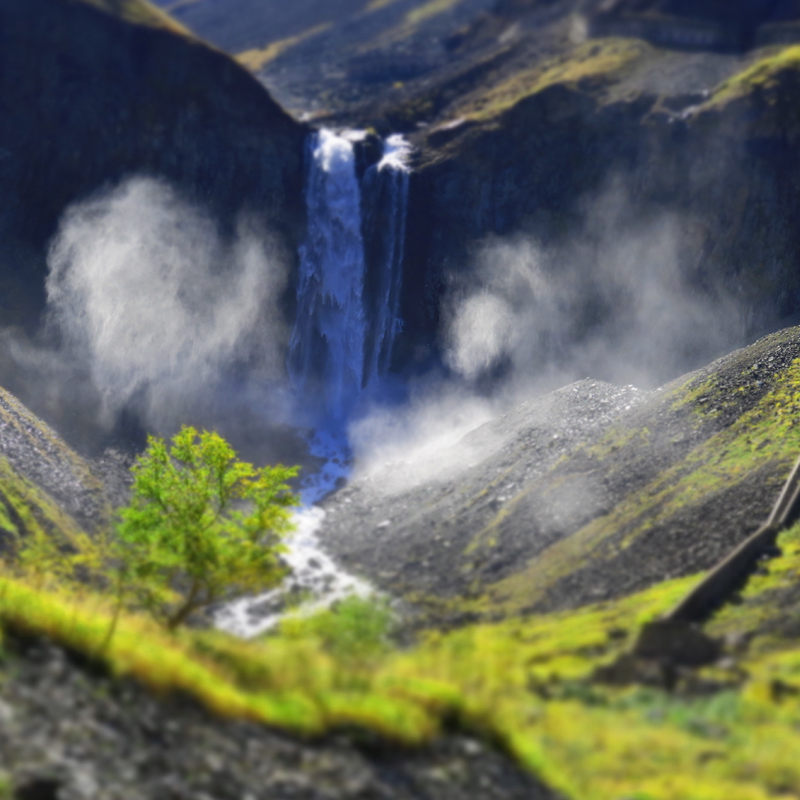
[67, 734]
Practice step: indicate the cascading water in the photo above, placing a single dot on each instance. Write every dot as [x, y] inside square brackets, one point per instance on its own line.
[348, 316]
[327, 344]
[348, 294]
[385, 193]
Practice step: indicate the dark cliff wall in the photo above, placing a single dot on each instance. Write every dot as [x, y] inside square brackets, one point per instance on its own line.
[86, 99]
[726, 170]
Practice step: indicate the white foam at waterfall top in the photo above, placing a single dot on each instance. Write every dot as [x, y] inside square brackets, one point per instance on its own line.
[386, 194]
[396, 153]
[343, 339]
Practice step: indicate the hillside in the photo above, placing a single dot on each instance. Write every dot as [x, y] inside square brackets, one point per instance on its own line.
[542, 144]
[647, 487]
[140, 12]
[589, 493]
[527, 115]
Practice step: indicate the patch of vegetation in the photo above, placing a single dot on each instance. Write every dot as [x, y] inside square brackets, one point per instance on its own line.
[594, 63]
[356, 628]
[257, 58]
[26, 510]
[140, 12]
[377, 5]
[766, 436]
[765, 74]
[201, 527]
[525, 684]
[430, 9]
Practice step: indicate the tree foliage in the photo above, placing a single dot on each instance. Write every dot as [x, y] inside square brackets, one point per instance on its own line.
[201, 526]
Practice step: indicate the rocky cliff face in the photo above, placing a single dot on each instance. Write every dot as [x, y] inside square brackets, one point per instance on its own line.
[88, 98]
[707, 140]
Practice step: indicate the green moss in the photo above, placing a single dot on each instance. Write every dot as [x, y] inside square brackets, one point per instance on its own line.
[616, 440]
[764, 74]
[766, 436]
[27, 510]
[593, 63]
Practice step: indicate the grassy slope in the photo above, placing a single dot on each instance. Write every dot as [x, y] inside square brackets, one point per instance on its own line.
[593, 64]
[609, 69]
[730, 733]
[25, 507]
[526, 684]
[748, 439]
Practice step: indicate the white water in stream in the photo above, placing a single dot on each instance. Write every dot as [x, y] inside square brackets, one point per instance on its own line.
[348, 307]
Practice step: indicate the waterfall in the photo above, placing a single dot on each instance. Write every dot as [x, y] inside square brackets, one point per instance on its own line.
[350, 275]
[348, 315]
[385, 202]
[327, 343]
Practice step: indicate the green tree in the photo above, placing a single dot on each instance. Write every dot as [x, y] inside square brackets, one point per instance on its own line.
[201, 526]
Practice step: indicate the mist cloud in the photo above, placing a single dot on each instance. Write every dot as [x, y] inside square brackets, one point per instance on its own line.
[157, 306]
[619, 302]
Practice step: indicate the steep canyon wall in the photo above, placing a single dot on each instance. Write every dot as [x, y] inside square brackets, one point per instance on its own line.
[87, 99]
[574, 166]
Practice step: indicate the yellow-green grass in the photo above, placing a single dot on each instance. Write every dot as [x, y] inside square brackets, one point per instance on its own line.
[523, 684]
[377, 5]
[27, 510]
[430, 9]
[765, 73]
[597, 62]
[409, 25]
[257, 58]
[140, 12]
[766, 436]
